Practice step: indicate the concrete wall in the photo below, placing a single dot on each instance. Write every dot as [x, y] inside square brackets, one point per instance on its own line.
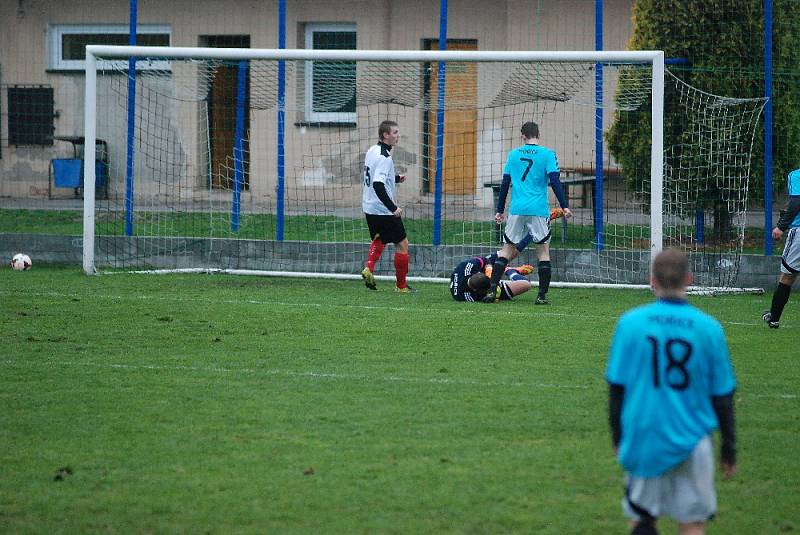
[569, 265]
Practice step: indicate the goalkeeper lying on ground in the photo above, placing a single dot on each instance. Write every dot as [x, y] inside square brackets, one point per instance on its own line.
[470, 279]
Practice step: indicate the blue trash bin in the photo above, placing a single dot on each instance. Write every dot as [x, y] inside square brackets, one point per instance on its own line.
[68, 172]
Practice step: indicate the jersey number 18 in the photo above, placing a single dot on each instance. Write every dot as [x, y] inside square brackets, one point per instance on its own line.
[678, 352]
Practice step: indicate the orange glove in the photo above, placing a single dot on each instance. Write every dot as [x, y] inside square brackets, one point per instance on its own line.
[555, 213]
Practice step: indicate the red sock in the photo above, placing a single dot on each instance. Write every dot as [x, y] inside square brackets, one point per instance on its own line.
[375, 252]
[401, 268]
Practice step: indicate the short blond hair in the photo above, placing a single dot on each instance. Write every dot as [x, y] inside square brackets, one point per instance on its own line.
[670, 269]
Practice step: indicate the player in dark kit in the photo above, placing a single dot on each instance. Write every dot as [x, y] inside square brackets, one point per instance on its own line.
[470, 279]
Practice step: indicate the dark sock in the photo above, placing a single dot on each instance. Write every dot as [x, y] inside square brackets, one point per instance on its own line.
[498, 268]
[779, 300]
[644, 528]
[545, 272]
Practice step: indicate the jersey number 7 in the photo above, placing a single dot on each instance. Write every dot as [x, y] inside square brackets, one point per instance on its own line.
[530, 163]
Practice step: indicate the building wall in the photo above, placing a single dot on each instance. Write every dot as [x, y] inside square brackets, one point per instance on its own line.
[501, 25]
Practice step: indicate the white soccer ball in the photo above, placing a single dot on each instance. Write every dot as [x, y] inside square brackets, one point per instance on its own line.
[21, 262]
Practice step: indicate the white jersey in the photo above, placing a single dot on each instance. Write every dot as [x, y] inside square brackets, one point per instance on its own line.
[378, 167]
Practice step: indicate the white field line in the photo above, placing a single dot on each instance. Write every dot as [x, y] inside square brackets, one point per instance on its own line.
[314, 375]
[497, 310]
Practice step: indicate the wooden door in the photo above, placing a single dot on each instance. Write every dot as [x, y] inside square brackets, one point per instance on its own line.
[222, 115]
[460, 145]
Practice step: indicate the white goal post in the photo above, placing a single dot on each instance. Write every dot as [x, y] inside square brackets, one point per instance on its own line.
[96, 54]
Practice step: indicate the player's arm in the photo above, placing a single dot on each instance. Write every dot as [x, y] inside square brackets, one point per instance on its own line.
[558, 190]
[380, 191]
[505, 185]
[723, 408]
[616, 395]
[789, 213]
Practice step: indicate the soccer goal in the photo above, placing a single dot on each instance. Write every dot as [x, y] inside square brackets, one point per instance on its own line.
[250, 161]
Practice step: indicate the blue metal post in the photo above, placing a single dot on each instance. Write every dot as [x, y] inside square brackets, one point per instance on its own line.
[437, 197]
[280, 190]
[598, 130]
[238, 146]
[131, 122]
[768, 128]
[700, 226]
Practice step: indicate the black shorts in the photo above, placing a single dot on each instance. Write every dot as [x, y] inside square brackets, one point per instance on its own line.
[388, 227]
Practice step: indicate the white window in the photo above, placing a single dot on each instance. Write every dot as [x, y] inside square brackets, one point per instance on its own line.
[330, 86]
[66, 44]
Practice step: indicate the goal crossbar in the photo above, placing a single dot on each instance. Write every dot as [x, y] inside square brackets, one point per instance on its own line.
[610, 56]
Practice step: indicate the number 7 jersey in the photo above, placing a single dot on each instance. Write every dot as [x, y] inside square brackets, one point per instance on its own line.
[528, 166]
[671, 358]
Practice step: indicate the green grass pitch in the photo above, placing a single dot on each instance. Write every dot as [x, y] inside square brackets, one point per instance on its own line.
[217, 404]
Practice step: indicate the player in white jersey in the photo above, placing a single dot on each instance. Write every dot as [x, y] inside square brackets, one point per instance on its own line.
[379, 204]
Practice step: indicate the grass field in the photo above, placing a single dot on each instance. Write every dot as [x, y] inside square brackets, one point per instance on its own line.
[216, 404]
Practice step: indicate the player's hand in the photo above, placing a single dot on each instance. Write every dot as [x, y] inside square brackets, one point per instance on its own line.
[567, 213]
[728, 470]
[499, 218]
[401, 179]
[777, 233]
[398, 212]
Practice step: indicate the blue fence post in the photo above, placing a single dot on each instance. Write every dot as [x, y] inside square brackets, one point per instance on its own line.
[700, 226]
[280, 189]
[440, 100]
[768, 245]
[129, 167]
[599, 230]
[238, 146]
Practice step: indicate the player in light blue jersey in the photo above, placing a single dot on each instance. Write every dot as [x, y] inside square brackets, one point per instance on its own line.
[671, 383]
[790, 259]
[529, 169]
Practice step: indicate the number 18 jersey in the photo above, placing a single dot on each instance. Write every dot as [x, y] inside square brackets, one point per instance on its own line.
[670, 357]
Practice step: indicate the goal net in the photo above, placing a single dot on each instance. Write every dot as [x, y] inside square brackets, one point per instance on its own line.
[234, 159]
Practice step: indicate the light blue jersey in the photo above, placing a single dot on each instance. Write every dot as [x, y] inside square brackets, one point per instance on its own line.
[671, 358]
[528, 167]
[794, 189]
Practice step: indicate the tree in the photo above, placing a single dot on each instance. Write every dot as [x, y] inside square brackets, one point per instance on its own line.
[722, 41]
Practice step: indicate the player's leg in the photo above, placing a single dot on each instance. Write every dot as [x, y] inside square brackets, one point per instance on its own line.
[642, 503]
[790, 266]
[545, 272]
[401, 261]
[507, 253]
[512, 288]
[515, 238]
[692, 528]
[375, 250]
[644, 528]
[692, 499]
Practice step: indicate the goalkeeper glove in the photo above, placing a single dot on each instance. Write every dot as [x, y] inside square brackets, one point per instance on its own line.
[555, 213]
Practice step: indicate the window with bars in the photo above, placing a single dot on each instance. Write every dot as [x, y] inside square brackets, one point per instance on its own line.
[330, 86]
[30, 115]
[67, 44]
